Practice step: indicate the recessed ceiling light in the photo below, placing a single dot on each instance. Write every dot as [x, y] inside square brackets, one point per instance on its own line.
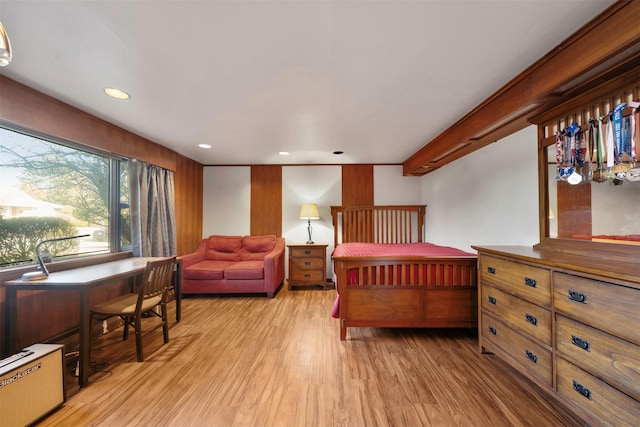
[283, 153]
[204, 146]
[116, 93]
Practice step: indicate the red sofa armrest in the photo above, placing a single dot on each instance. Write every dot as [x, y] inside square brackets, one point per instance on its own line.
[274, 267]
[195, 257]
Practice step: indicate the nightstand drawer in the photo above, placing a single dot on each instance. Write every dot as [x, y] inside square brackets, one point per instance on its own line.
[604, 404]
[308, 263]
[307, 252]
[529, 355]
[529, 318]
[525, 281]
[605, 306]
[307, 276]
[604, 355]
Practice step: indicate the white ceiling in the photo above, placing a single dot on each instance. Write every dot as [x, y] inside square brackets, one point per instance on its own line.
[375, 79]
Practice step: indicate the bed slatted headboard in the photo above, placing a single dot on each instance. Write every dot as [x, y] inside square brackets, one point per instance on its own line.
[378, 224]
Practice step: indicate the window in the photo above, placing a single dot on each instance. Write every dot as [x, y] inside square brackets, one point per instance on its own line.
[51, 188]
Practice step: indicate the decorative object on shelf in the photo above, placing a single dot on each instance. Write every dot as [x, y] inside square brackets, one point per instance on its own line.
[5, 47]
[309, 211]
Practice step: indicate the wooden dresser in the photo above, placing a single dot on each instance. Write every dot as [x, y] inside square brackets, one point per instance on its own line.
[568, 322]
[307, 264]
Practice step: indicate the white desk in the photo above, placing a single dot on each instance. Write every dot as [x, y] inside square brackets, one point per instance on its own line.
[82, 280]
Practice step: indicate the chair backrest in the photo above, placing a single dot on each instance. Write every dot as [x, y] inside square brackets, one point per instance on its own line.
[156, 280]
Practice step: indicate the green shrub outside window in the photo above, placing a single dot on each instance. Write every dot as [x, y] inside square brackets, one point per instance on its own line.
[51, 188]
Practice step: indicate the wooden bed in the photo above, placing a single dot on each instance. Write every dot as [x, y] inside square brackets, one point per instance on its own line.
[385, 284]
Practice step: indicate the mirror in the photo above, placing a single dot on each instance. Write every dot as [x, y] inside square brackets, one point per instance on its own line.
[607, 211]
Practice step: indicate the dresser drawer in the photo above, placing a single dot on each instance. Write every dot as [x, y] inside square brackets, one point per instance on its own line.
[609, 307]
[529, 318]
[612, 359]
[525, 281]
[307, 252]
[308, 263]
[531, 356]
[604, 405]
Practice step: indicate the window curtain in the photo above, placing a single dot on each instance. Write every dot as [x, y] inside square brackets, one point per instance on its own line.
[152, 204]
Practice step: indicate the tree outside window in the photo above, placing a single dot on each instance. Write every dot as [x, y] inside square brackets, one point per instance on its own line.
[48, 190]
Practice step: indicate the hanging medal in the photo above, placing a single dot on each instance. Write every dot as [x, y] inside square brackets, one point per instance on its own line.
[575, 153]
[591, 142]
[620, 168]
[565, 156]
[611, 149]
[582, 155]
[559, 154]
[600, 173]
[633, 174]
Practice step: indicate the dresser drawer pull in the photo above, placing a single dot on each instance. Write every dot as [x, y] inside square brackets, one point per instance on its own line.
[307, 252]
[579, 342]
[492, 300]
[577, 296]
[530, 282]
[531, 356]
[307, 275]
[493, 330]
[531, 319]
[582, 389]
[307, 263]
[491, 270]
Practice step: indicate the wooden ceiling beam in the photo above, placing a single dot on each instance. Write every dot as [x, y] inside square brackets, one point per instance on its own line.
[608, 44]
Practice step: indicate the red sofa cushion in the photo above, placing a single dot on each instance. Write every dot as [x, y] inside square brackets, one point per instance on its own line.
[224, 248]
[245, 270]
[254, 248]
[207, 270]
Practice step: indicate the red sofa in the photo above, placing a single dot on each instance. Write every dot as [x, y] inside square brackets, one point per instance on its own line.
[234, 265]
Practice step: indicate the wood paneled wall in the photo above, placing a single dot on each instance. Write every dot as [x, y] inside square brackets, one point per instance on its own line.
[188, 182]
[357, 185]
[266, 200]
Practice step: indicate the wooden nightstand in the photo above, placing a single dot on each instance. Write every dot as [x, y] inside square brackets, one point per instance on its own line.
[307, 264]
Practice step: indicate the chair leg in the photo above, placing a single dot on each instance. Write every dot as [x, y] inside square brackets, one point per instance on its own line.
[125, 331]
[138, 330]
[165, 323]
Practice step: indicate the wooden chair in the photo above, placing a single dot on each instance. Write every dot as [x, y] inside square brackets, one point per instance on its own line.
[131, 307]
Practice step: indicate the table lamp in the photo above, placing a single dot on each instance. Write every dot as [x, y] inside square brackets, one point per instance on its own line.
[44, 273]
[309, 211]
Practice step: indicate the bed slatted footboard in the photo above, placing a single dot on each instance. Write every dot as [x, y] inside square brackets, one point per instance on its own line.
[396, 291]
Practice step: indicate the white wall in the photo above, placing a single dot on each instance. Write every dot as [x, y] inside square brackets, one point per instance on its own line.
[310, 184]
[226, 201]
[489, 197]
[391, 188]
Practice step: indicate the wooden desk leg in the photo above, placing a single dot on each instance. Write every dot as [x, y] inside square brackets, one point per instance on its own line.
[177, 290]
[9, 344]
[85, 336]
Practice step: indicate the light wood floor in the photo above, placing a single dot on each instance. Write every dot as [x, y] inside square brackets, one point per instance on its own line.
[253, 361]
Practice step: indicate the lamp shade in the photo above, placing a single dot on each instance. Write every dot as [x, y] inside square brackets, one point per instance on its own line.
[309, 211]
